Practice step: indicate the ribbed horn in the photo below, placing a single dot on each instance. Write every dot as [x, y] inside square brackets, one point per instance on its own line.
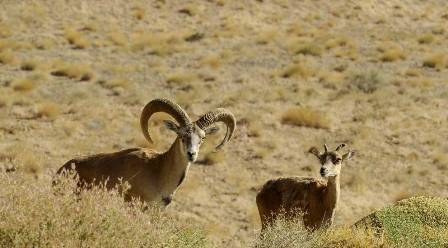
[219, 115]
[326, 148]
[162, 105]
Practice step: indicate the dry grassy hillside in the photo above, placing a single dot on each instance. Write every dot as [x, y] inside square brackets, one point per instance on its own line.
[74, 76]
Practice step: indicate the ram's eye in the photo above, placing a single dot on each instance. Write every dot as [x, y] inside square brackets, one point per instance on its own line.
[338, 160]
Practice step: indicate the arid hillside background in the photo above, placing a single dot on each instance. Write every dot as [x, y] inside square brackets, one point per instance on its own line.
[74, 76]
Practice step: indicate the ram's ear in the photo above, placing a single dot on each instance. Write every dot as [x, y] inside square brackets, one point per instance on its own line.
[171, 125]
[348, 155]
[313, 150]
[211, 130]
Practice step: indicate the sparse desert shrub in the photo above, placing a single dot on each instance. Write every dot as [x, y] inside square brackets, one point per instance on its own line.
[118, 38]
[35, 213]
[308, 49]
[114, 83]
[49, 110]
[28, 65]
[336, 42]
[138, 13]
[214, 61]
[266, 36]
[414, 222]
[287, 233]
[366, 82]
[181, 77]
[7, 57]
[437, 60]
[420, 82]
[23, 85]
[160, 44]
[44, 43]
[76, 38]
[306, 117]
[441, 160]
[425, 38]
[74, 71]
[300, 69]
[392, 54]
[412, 72]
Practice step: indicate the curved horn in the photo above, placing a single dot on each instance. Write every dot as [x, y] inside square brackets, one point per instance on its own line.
[162, 105]
[341, 146]
[326, 148]
[218, 115]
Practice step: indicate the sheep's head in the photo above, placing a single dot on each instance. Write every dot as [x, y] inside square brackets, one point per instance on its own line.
[191, 137]
[191, 134]
[331, 161]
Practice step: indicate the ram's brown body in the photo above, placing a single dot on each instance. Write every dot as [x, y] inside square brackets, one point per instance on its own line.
[294, 196]
[152, 176]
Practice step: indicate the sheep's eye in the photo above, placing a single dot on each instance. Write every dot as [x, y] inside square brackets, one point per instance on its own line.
[338, 160]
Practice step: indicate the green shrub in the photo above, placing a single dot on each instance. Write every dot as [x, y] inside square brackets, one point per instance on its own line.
[414, 222]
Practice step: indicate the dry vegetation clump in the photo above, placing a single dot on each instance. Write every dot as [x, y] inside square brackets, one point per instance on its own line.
[79, 72]
[306, 117]
[300, 69]
[49, 110]
[114, 83]
[288, 233]
[392, 54]
[28, 65]
[425, 38]
[36, 214]
[181, 77]
[7, 57]
[437, 60]
[118, 38]
[161, 43]
[366, 82]
[76, 38]
[23, 85]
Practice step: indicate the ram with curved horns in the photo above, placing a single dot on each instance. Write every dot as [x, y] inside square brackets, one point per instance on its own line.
[153, 176]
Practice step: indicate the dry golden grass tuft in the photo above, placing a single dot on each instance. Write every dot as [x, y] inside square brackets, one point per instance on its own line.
[301, 69]
[392, 54]
[80, 72]
[266, 36]
[118, 38]
[421, 82]
[160, 43]
[306, 117]
[441, 160]
[333, 77]
[437, 60]
[44, 43]
[310, 48]
[426, 38]
[181, 77]
[264, 148]
[61, 215]
[214, 61]
[7, 57]
[412, 72]
[48, 110]
[23, 85]
[76, 38]
[28, 65]
[336, 42]
[115, 83]
[138, 13]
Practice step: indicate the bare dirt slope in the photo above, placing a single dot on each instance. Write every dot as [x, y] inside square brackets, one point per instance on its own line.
[74, 76]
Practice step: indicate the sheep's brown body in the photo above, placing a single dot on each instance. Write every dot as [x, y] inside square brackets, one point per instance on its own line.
[152, 176]
[291, 196]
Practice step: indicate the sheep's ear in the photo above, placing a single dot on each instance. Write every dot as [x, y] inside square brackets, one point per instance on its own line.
[348, 155]
[211, 131]
[313, 150]
[171, 126]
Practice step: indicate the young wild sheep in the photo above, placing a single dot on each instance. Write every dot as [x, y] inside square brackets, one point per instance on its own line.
[316, 199]
[153, 176]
